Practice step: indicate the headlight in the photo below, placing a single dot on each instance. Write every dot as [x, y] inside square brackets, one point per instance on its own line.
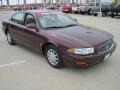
[81, 51]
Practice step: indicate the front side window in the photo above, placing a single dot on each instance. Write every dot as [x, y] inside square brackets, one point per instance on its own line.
[29, 19]
[56, 20]
[18, 18]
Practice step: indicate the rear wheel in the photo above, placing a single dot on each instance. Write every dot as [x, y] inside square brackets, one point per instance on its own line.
[82, 12]
[9, 38]
[95, 14]
[54, 57]
[89, 12]
[104, 13]
[112, 15]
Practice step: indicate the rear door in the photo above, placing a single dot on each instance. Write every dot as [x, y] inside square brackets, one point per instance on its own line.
[17, 27]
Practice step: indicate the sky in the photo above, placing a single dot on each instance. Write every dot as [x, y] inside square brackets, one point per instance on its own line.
[13, 2]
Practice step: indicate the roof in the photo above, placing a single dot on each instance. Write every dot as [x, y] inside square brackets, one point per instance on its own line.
[43, 12]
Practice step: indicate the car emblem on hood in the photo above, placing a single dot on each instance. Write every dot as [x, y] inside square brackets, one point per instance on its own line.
[107, 47]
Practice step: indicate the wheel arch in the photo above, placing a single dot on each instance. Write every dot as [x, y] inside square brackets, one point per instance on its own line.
[6, 30]
[45, 45]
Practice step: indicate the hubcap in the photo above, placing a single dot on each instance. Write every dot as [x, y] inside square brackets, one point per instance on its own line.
[52, 57]
[9, 38]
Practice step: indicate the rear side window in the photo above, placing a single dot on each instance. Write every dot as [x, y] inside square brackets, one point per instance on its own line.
[18, 18]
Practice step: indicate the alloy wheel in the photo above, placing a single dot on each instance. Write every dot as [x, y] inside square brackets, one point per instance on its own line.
[52, 57]
[9, 38]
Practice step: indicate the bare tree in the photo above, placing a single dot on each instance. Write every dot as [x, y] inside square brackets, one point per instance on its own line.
[18, 2]
[44, 2]
[76, 1]
[50, 2]
[80, 1]
[24, 2]
[72, 1]
[35, 1]
[57, 1]
[7, 2]
[1, 2]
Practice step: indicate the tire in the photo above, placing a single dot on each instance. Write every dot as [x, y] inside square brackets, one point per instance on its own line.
[9, 38]
[95, 14]
[89, 12]
[82, 13]
[112, 15]
[53, 56]
[103, 14]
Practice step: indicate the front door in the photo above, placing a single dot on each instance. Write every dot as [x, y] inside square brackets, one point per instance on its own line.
[32, 36]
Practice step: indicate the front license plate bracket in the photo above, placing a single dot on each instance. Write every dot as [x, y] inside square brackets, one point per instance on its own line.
[107, 56]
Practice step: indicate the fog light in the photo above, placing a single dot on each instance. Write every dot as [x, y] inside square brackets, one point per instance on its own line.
[81, 62]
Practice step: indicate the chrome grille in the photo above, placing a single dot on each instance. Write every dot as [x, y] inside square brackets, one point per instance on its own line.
[104, 47]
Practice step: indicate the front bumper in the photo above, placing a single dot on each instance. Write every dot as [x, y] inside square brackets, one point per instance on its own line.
[75, 10]
[85, 61]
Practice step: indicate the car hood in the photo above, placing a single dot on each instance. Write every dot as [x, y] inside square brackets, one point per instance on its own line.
[80, 36]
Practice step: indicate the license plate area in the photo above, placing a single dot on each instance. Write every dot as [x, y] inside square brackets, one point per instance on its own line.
[107, 56]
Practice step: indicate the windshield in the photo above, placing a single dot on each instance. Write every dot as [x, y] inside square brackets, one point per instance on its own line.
[56, 21]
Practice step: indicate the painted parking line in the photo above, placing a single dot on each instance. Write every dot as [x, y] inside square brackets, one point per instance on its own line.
[11, 64]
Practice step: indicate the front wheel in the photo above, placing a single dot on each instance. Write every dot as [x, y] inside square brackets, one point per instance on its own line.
[54, 57]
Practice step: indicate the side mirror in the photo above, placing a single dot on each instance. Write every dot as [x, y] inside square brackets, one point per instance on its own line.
[31, 25]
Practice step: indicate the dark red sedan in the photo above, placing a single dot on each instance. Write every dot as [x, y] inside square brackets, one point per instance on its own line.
[59, 37]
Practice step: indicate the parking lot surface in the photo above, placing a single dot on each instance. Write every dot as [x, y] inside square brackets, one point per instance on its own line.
[24, 69]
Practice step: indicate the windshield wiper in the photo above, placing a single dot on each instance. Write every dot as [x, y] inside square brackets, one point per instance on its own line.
[61, 26]
[53, 27]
